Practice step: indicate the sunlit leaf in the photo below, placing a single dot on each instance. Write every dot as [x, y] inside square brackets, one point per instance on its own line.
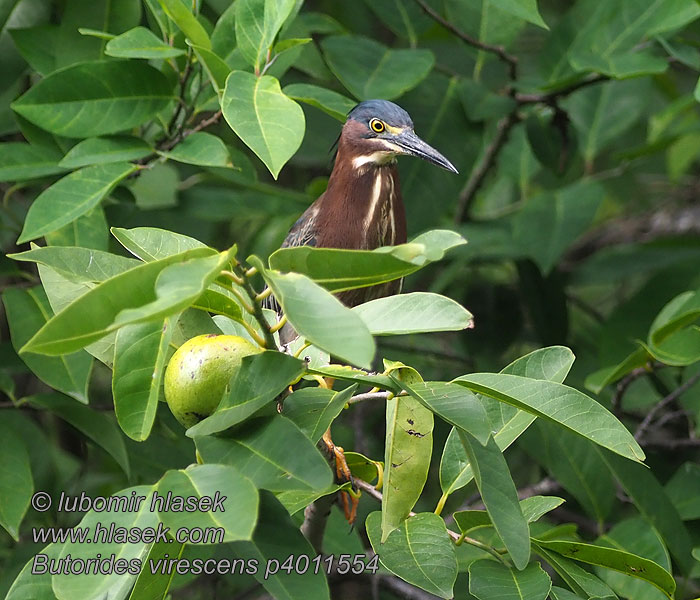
[268, 122]
[95, 98]
[71, 197]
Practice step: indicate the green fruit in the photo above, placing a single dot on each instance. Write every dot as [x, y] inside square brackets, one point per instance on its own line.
[198, 373]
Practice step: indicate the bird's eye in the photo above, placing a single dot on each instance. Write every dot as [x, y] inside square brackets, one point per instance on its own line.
[376, 125]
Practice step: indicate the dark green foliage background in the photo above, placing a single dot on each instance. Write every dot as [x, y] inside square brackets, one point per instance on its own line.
[577, 194]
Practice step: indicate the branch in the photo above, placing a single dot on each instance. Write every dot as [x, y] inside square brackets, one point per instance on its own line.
[315, 519]
[552, 97]
[203, 124]
[466, 198]
[672, 397]
[510, 60]
[403, 589]
[626, 381]
[371, 396]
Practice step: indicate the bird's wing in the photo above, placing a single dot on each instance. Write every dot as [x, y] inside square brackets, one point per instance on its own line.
[303, 232]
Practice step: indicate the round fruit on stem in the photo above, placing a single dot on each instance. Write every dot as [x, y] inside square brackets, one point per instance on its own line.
[198, 373]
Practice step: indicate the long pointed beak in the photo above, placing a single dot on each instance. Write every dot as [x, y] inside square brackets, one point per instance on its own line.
[411, 144]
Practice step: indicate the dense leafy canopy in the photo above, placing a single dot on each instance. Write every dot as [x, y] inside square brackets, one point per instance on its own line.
[153, 154]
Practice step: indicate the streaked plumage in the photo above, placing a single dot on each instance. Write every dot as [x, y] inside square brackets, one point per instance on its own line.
[362, 208]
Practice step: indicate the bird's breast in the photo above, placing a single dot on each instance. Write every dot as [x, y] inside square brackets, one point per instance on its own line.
[379, 224]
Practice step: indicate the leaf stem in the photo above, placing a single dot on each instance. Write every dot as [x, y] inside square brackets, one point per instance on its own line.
[269, 341]
[281, 323]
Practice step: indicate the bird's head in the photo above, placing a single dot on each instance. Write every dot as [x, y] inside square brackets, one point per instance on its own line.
[379, 130]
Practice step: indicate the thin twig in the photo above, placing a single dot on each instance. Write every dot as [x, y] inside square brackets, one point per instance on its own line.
[624, 383]
[456, 537]
[672, 397]
[257, 308]
[466, 198]
[370, 396]
[499, 51]
[672, 444]
[203, 124]
[550, 97]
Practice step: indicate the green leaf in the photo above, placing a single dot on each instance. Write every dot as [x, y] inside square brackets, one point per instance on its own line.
[524, 9]
[649, 497]
[269, 123]
[151, 243]
[608, 41]
[177, 287]
[369, 69]
[70, 197]
[361, 466]
[261, 452]
[16, 483]
[257, 25]
[216, 68]
[27, 311]
[601, 113]
[585, 584]
[636, 536]
[186, 22]
[260, 380]
[127, 298]
[346, 373]
[31, 586]
[140, 42]
[155, 586]
[417, 312]
[618, 560]
[575, 466]
[454, 404]
[96, 98]
[500, 497]
[455, 470]
[558, 593]
[20, 161]
[200, 148]
[338, 270]
[78, 264]
[330, 102]
[407, 451]
[684, 490]
[275, 539]
[140, 354]
[156, 187]
[533, 508]
[565, 214]
[489, 579]
[95, 151]
[320, 317]
[87, 231]
[98, 426]
[552, 363]
[673, 339]
[314, 409]
[95, 586]
[560, 404]
[420, 552]
[239, 501]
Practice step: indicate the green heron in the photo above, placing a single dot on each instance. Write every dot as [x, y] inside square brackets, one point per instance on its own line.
[362, 207]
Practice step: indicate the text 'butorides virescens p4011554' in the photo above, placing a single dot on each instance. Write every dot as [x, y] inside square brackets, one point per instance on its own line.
[362, 207]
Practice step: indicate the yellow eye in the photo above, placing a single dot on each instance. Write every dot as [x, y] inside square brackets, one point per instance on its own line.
[376, 125]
